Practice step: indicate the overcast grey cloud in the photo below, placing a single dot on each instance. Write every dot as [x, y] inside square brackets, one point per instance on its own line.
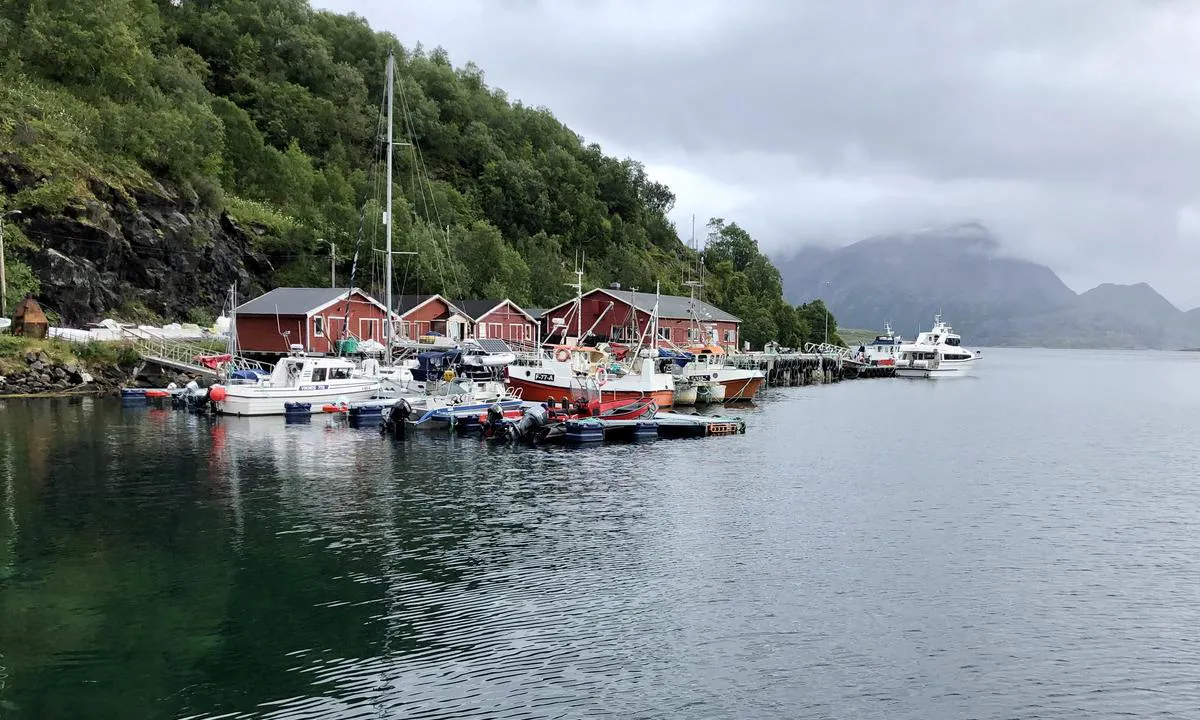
[1071, 127]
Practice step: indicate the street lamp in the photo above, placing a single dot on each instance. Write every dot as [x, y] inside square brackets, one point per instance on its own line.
[3, 279]
[825, 304]
[332, 260]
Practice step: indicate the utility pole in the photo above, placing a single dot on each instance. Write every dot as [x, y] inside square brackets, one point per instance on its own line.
[332, 261]
[3, 278]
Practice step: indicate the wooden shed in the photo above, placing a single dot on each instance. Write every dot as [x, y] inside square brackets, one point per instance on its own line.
[29, 321]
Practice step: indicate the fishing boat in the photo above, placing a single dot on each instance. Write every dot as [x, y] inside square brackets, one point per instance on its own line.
[936, 353]
[883, 350]
[707, 363]
[550, 373]
[298, 378]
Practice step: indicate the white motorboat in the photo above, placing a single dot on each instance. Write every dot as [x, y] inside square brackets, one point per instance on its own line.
[884, 349]
[936, 353]
[298, 378]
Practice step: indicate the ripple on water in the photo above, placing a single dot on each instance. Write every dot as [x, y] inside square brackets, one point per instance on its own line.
[1023, 545]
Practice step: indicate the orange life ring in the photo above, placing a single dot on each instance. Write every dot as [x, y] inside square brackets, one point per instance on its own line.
[562, 355]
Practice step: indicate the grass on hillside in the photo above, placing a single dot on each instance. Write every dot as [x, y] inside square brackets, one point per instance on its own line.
[88, 355]
[51, 131]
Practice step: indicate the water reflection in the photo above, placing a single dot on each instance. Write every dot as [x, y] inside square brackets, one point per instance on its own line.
[159, 564]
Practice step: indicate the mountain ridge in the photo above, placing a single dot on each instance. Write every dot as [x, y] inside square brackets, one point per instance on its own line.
[962, 272]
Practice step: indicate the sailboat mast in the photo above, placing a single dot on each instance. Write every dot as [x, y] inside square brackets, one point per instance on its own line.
[579, 302]
[387, 283]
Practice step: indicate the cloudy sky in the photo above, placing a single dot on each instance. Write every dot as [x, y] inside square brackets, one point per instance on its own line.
[1070, 127]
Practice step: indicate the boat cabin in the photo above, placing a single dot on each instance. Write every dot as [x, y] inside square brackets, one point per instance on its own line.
[306, 372]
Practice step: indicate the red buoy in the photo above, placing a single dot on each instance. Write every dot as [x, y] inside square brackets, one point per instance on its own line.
[216, 393]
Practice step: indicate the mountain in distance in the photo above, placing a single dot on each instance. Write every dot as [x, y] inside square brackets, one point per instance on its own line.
[991, 298]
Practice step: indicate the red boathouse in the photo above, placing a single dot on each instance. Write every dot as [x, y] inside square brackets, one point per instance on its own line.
[623, 316]
[314, 318]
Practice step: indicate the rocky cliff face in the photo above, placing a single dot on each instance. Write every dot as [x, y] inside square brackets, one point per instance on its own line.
[152, 248]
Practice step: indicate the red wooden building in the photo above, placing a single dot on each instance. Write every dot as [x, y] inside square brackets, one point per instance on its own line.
[501, 320]
[314, 318]
[461, 319]
[432, 314]
[623, 316]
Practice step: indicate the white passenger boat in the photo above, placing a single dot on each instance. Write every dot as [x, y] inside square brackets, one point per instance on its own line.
[936, 353]
[298, 378]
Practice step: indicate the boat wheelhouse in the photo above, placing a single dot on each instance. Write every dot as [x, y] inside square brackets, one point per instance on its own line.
[884, 349]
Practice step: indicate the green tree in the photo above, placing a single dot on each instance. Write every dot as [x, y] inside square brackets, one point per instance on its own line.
[269, 112]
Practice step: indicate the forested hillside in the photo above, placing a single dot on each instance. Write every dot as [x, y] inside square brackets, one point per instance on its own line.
[159, 150]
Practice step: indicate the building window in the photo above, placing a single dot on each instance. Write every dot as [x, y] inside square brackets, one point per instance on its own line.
[368, 328]
[617, 333]
[528, 331]
[319, 326]
[495, 330]
[730, 336]
[664, 333]
[481, 330]
[693, 335]
[515, 332]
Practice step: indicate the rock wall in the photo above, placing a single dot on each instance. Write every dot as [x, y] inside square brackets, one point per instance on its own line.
[154, 246]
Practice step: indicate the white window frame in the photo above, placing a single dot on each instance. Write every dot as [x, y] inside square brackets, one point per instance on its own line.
[372, 331]
[664, 333]
[319, 326]
[496, 330]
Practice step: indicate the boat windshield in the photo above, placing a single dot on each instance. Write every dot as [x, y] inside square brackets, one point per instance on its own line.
[951, 340]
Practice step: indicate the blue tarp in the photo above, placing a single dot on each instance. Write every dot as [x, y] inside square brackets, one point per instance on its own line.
[679, 357]
[431, 364]
[249, 375]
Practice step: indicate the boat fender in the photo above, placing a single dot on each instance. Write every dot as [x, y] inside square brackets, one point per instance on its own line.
[449, 376]
[562, 355]
[601, 377]
[216, 393]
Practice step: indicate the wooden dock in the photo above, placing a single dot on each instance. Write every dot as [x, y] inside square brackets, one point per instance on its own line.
[817, 364]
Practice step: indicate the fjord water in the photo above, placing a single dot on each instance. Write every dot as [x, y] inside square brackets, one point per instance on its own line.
[1024, 544]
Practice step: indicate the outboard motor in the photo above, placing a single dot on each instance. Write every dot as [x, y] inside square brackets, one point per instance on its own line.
[395, 420]
[494, 421]
[533, 420]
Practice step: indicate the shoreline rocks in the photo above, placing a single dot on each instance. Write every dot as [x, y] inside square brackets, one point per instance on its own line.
[43, 375]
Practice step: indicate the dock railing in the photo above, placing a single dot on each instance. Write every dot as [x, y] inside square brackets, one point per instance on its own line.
[828, 349]
[181, 355]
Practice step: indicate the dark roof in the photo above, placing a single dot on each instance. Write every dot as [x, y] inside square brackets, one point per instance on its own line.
[291, 301]
[475, 308]
[536, 313]
[672, 306]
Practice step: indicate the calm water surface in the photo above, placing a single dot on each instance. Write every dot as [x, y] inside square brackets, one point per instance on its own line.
[1021, 545]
